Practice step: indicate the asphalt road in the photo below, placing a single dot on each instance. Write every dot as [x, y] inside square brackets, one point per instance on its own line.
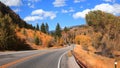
[32, 59]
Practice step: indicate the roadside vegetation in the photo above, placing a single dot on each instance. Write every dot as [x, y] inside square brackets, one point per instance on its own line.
[106, 29]
[98, 41]
[101, 32]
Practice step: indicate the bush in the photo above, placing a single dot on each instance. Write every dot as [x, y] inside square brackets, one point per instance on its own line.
[83, 40]
[37, 41]
[24, 31]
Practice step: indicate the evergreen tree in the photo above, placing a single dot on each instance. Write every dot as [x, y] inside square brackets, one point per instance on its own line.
[43, 29]
[37, 27]
[47, 28]
[58, 31]
[66, 29]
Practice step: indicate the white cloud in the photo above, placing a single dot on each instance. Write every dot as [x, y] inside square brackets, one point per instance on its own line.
[34, 0]
[40, 15]
[117, 9]
[44, 14]
[81, 14]
[77, 1]
[32, 18]
[109, 0]
[12, 2]
[64, 11]
[105, 7]
[17, 10]
[71, 10]
[114, 9]
[59, 3]
[81, 6]
[31, 5]
[39, 11]
[67, 11]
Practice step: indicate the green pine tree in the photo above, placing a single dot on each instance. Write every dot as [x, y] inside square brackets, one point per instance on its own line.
[43, 29]
[66, 29]
[37, 27]
[58, 31]
[47, 28]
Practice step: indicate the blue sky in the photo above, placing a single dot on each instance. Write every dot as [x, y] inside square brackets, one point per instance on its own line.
[65, 12]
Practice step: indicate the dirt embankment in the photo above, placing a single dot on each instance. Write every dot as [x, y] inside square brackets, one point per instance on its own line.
[92, 60]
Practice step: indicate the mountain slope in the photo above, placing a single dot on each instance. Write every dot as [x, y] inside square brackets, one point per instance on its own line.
[16, 34]
[29, 36]
[5, 10]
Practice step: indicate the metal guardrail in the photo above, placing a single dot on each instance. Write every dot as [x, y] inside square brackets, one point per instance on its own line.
[79, 62]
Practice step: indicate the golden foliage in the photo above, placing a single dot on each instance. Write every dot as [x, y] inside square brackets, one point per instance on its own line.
[83, 40]
[106, 35]
[30, 35]
[92, 60]
[61, 41]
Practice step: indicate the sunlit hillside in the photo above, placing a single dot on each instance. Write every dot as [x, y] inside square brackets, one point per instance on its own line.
[98, 41]
[29, 36]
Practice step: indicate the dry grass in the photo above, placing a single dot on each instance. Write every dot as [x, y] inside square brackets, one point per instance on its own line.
[30, 35]
[118, 65]
[92, 60]
[69, 54]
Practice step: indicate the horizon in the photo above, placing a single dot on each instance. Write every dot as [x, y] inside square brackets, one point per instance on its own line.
[65, 12]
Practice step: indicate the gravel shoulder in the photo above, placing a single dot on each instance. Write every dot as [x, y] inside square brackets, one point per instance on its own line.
[68, 62]
[72, 63]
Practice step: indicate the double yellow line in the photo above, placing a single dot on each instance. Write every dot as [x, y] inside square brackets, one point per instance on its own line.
[20, 60]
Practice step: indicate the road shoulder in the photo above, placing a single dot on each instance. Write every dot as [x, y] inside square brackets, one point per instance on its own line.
[68, 61]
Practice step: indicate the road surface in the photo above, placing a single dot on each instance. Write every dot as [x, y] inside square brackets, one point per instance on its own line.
[32, 59]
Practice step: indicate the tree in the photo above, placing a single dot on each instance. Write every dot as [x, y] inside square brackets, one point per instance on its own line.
[107, 30]
[100, 20]
[43, 28]
[47, 28]
[66, 29]
[37, 40]
[7, 33]
[58, 31]
[37, 27]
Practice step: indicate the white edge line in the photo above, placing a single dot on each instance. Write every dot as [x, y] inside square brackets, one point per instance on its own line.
[61, 58]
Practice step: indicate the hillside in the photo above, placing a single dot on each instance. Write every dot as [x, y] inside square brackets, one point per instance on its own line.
[103, 32]
[16, 34]
[29, 36]
[98, 40]
[5, 10]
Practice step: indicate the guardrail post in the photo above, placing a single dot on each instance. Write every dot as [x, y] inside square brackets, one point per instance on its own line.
[115, 64]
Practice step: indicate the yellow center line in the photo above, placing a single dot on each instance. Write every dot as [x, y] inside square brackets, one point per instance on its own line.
[20, 60]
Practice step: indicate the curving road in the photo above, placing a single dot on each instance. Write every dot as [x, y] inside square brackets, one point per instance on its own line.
[32, 59]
